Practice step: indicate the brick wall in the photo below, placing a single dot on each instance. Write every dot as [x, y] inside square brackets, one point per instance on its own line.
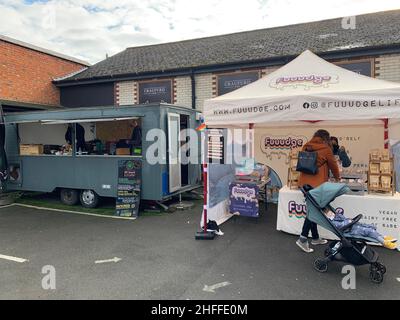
[26, 75]
[126, 93]
[268, 70]
[204, 89]
[183, 91]
[387, 67]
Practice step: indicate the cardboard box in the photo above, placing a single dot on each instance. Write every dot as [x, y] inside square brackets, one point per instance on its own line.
[374, 168]
[386, 167]
[123, 151]
[374, 182]
[30, 149]
[386, 182]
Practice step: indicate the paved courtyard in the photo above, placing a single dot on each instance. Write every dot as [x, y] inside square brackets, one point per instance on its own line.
[161, 260]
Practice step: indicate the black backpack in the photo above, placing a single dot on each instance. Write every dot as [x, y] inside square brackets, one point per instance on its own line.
[307, 162]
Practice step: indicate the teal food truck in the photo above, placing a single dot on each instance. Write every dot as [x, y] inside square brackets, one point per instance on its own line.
[40, 159]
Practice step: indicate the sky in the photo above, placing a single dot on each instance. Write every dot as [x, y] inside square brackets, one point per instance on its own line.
[92, 29]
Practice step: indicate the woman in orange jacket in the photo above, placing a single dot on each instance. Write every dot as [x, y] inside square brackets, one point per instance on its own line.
[326, 162]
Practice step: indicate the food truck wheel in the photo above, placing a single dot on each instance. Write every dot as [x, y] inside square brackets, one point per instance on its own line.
[89, 199]
[69, 196]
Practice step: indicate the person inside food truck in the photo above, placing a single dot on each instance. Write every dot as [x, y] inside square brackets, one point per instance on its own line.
[136, 137]
[80, 136]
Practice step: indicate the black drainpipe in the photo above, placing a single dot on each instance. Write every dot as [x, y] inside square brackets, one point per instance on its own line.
[193, 81]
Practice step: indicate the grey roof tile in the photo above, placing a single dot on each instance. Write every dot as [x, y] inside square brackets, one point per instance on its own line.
[372, 30]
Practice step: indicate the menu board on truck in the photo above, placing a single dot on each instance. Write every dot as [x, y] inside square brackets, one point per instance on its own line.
[128, 188]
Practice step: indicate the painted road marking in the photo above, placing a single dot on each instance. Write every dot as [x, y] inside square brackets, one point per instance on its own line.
[71, 211]
[216, 286]
[115, 260]
[15, 259]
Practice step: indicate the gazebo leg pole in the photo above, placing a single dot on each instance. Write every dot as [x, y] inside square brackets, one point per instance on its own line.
[205, 235]
[205, 177]
[386, 133]
[251, 142]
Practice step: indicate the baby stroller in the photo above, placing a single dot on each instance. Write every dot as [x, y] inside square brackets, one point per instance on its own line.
[348, 249]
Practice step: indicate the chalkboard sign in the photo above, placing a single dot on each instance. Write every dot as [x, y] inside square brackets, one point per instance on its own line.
[360, 67]
[128, 188]
[230, 82]
[155, 91]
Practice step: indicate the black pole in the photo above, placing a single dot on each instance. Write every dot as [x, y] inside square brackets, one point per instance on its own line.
[193, 82]
[3, 155]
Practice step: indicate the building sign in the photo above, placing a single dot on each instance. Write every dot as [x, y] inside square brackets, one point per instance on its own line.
[128, 188]
[360, 67]
[230, 82]
[155, 91]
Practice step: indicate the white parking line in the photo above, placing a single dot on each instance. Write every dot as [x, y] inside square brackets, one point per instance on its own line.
[15, 259]
[216, 286]
[7, 206]
[71, 211]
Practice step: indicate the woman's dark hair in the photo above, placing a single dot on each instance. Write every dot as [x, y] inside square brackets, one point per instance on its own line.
[323, 134]
[335, 139]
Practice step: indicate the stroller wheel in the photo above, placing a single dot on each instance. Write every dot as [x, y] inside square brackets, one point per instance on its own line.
[383, 269]
[321, 265]
[376, 276]
[377, 267]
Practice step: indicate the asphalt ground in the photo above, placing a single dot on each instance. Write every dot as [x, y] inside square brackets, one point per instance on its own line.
[162, 260]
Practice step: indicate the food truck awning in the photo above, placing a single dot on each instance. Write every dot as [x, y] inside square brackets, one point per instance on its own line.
[86, 120]
[74, 115]
[306, 89]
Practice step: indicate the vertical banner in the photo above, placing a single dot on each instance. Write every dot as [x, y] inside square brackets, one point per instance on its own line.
[226, 149]
[128, 188]
[216, 146]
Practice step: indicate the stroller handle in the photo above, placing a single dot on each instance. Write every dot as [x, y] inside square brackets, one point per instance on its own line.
[306, 188]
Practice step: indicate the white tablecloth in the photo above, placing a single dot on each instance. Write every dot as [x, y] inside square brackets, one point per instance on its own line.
[381, 210]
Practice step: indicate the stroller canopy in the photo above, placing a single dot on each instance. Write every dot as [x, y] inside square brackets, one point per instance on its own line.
[328, 192]
[321, 197]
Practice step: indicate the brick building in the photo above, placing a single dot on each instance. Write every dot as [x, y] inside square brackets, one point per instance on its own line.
[27, 73]
[188, 72]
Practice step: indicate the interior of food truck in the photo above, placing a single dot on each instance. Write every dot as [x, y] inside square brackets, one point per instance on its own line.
[94, 137]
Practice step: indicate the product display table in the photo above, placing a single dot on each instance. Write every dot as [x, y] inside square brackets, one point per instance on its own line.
[381, 210]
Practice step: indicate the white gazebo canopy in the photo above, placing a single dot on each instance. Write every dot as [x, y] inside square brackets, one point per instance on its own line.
[306, 89]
